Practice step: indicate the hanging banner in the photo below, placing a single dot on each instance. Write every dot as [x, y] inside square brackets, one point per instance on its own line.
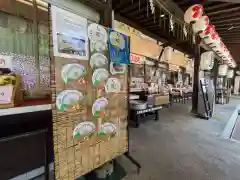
[69, 34]
[119, 47]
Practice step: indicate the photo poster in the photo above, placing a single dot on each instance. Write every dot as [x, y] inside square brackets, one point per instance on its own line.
[119, 47]
[69, 34]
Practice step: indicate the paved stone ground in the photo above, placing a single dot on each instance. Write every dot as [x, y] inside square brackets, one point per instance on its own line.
[181, 147]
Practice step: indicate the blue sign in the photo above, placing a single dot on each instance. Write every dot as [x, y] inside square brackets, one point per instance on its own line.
[118, 47]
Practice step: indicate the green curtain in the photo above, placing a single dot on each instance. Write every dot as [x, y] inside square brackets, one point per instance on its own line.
[15, 40]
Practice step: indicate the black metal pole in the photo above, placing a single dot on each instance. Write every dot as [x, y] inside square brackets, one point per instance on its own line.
[215, 76]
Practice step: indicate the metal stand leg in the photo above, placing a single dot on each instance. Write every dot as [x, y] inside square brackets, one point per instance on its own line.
[133, 161]
[170, 100]
[137, 120]
[157, 115]
[46, 167]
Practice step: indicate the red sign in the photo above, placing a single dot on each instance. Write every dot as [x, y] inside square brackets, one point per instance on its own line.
[135, 59]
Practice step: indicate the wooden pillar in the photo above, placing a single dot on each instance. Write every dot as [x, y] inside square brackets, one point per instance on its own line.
[197, 58]
[106, 16]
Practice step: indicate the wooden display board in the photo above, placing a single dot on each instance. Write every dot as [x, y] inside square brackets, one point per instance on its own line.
[83, 141]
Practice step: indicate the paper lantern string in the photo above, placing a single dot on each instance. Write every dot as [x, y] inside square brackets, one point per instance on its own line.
[171, 23]
[152, 6]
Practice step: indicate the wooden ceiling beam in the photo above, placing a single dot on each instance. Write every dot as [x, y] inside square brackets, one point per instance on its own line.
[135, 25]
[134, 7]
[230, 34]
[228, 24]
[143, 19]
[182, 2]
[223, 11]
[226, 28]
[228, 43]
[230, 38]
[229, 20]
[138, 12]
[224, 16]
[236, 35]
[227, 32]
[118, 5]
[229, 1]
[214, 7]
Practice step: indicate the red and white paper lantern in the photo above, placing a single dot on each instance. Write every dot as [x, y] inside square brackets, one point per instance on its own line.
[230, 73]
[201, 24]
[222, 70]
[193, 14]
[207, 60]
[216, 39]
[208, 31]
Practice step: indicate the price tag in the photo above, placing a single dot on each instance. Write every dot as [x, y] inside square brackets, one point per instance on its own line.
[6, 94]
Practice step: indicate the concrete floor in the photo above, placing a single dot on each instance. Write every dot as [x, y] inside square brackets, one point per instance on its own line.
[181, 147]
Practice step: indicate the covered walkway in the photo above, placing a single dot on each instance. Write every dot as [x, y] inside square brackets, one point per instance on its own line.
[180, 147]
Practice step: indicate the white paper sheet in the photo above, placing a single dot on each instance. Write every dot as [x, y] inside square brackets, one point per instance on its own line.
[69, 34]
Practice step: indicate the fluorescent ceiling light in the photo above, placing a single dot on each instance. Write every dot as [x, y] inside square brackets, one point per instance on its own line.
[162, 15]
[230, 28]
[41, 4]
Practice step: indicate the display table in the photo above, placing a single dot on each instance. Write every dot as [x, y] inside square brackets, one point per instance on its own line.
[150, 113]
[174, 97]
[187, 95]
[180, 95]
